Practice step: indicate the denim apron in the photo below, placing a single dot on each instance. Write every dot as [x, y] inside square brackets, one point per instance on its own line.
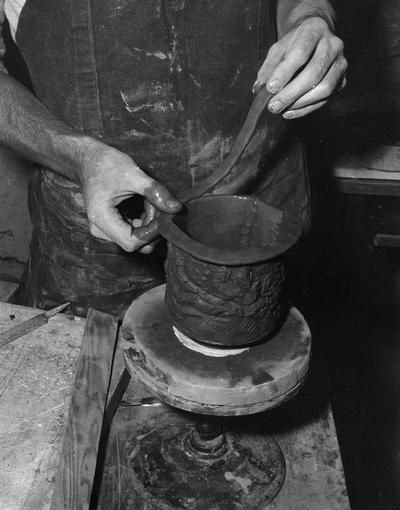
[167, 82]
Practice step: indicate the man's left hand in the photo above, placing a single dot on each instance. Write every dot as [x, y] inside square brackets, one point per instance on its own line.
[303, 69]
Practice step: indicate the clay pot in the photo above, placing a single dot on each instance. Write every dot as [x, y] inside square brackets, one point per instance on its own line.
[225, 269]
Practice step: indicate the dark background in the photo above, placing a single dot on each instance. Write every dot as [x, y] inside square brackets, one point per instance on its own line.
[351, 289]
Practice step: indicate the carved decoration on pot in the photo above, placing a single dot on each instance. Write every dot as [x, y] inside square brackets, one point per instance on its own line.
[225, 268]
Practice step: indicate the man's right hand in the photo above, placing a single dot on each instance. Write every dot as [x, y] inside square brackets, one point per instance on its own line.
[108, 177]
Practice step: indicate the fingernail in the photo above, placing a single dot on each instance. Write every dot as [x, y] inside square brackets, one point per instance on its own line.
[275, 107]
[288, 115]
[173, 204]
[273, 86]
[256, 86]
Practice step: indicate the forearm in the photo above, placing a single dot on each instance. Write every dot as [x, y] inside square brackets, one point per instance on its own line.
[292, 12]
[30, 130]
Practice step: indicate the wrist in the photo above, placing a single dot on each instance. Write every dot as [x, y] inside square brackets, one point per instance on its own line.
[77, 150]
[289, 19]
[321, 17]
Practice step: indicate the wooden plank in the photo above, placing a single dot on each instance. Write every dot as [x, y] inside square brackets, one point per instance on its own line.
[387, 240]
[373, 187]
[347, 169]
[83, 430]
[36, 380]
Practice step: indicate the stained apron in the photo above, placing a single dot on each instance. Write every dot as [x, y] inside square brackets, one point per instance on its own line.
[167, 82]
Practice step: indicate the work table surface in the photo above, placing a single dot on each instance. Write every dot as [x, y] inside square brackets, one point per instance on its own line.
[37, 375]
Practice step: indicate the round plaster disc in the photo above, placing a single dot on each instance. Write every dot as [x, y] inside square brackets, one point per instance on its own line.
[207, 380]
[168, 475]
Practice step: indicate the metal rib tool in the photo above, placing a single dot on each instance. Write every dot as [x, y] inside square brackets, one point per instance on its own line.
[29, 325]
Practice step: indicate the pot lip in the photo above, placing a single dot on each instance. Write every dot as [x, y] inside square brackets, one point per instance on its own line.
[242, 256]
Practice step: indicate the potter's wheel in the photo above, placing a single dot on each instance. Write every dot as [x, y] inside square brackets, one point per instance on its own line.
[205, 466]
[207, 380]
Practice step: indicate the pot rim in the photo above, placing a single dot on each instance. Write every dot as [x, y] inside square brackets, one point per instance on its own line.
[225, 256]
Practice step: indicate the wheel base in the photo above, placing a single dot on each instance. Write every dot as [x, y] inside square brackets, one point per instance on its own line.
[246, 472]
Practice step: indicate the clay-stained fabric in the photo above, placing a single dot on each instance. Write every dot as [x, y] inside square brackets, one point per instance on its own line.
[168, 82]
[2, 45]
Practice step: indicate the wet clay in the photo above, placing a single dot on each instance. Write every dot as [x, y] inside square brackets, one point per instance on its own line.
[225, 269]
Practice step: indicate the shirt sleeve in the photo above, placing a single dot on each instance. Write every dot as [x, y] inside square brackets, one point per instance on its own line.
[2, 44]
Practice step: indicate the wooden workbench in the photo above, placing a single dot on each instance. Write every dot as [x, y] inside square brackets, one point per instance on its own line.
[304, 428]
[36, 382]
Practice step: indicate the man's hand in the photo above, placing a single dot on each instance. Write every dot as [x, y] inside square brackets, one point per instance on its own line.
[109, 177]
[303, 69]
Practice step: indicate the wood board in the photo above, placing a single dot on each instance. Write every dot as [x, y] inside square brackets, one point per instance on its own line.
[37, 374]
[75, 474]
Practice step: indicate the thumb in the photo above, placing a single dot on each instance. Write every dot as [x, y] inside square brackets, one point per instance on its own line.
[161, 198]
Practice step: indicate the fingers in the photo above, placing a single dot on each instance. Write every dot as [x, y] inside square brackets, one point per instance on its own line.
[295, 57]
[272, 60]
[106, 222]
[301, 112]
[109, 177]
[128, 237]
[148, 216]
[149, 212]
[333, 81]
[159, 196]
[134, 180]
[318, 80]
[303, 69]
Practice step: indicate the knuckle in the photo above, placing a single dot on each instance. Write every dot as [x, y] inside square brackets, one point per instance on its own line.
[318, 70]
[299, 53]
[298, 56]
[337, 44]
[313, 27]
[130, 246]
[313, 33]
[94, 217]
[307, 25]
[157, 191]
[343, 64]
[273, 51]
[326, 88]
[93, 229]
[316, 21]
[147, 249]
